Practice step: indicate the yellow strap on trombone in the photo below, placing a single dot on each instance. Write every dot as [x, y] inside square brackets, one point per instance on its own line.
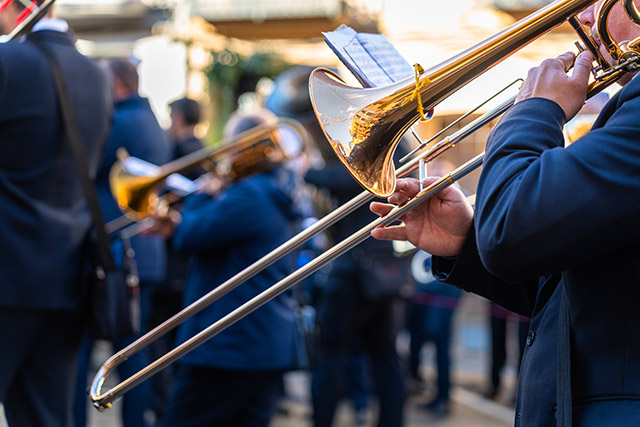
[416, 92]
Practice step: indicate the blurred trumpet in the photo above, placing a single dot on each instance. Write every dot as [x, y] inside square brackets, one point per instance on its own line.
[254, 151]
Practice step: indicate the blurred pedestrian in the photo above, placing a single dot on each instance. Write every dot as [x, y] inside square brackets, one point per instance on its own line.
[185, 116]
[166, 299]
[135, 129]
[430, 320]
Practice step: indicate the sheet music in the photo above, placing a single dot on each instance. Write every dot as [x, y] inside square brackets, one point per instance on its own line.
[372, 59]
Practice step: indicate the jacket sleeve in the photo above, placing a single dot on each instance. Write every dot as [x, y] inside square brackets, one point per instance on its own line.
[467, 272]
[540, 207]
[210, 223]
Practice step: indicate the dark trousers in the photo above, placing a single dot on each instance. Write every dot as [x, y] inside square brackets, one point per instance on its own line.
[432, 323]
[136, 401]
[38, 365]
[164, 304]
[499, 343]
[346, 317]
[209, 397]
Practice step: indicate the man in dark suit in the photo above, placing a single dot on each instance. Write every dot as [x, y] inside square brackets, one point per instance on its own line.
[555, 237]
[136, 129]
[44, 220]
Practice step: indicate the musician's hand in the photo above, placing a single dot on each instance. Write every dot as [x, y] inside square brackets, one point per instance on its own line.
[165, 223]
[210, 183]
[550, 80]
[438, 226]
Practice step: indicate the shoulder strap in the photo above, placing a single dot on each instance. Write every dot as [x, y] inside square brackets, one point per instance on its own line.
[103, 247]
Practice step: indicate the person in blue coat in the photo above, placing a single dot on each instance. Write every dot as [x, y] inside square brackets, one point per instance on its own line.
[136, 129]
[234, 378]
[555, 237]
[44, 219]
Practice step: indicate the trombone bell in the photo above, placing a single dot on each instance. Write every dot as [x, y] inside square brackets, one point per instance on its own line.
[132, 192]
[367, 159]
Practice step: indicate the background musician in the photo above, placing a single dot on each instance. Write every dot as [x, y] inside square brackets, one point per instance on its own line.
[136, 129]
[235, 378]
[167, 296]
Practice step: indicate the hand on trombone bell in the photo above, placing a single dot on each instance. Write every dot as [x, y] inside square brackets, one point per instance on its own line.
[438, 226]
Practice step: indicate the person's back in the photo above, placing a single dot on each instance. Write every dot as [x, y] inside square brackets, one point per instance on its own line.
[45, 221]
[223, 234]
[45, 218]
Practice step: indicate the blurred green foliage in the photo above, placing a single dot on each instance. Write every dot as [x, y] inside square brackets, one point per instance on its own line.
[230, 75]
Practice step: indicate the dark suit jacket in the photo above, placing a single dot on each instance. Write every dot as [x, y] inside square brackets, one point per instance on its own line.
[546, 214]
[44, 218]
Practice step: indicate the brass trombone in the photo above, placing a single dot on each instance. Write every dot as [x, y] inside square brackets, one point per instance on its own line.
[377, 125]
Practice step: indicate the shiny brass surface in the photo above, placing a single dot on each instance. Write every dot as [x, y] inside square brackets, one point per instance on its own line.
[624, 52]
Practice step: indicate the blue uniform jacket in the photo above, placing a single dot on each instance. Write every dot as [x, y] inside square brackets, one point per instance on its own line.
[546, 214]
[136, 129]
[44, 220]
[224, 235]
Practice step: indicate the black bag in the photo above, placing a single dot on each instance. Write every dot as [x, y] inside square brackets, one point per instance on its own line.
[113, 292]
[114, 300]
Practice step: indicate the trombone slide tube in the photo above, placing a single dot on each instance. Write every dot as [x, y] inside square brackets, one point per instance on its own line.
[104, 401]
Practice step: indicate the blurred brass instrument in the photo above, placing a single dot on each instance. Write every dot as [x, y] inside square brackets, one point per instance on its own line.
[364, 127]
[253, 151]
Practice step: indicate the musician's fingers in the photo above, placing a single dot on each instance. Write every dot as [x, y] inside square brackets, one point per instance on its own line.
[380, 209]
[393, 232]
[405, 189]
[566, 60]
[582, 66]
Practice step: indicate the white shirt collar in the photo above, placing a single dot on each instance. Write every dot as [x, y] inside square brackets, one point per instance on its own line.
[54, 24]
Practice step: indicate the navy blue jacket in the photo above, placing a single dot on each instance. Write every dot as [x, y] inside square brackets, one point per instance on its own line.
[44, 219]
[224, 235]
[135, 128]
[546, 214]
